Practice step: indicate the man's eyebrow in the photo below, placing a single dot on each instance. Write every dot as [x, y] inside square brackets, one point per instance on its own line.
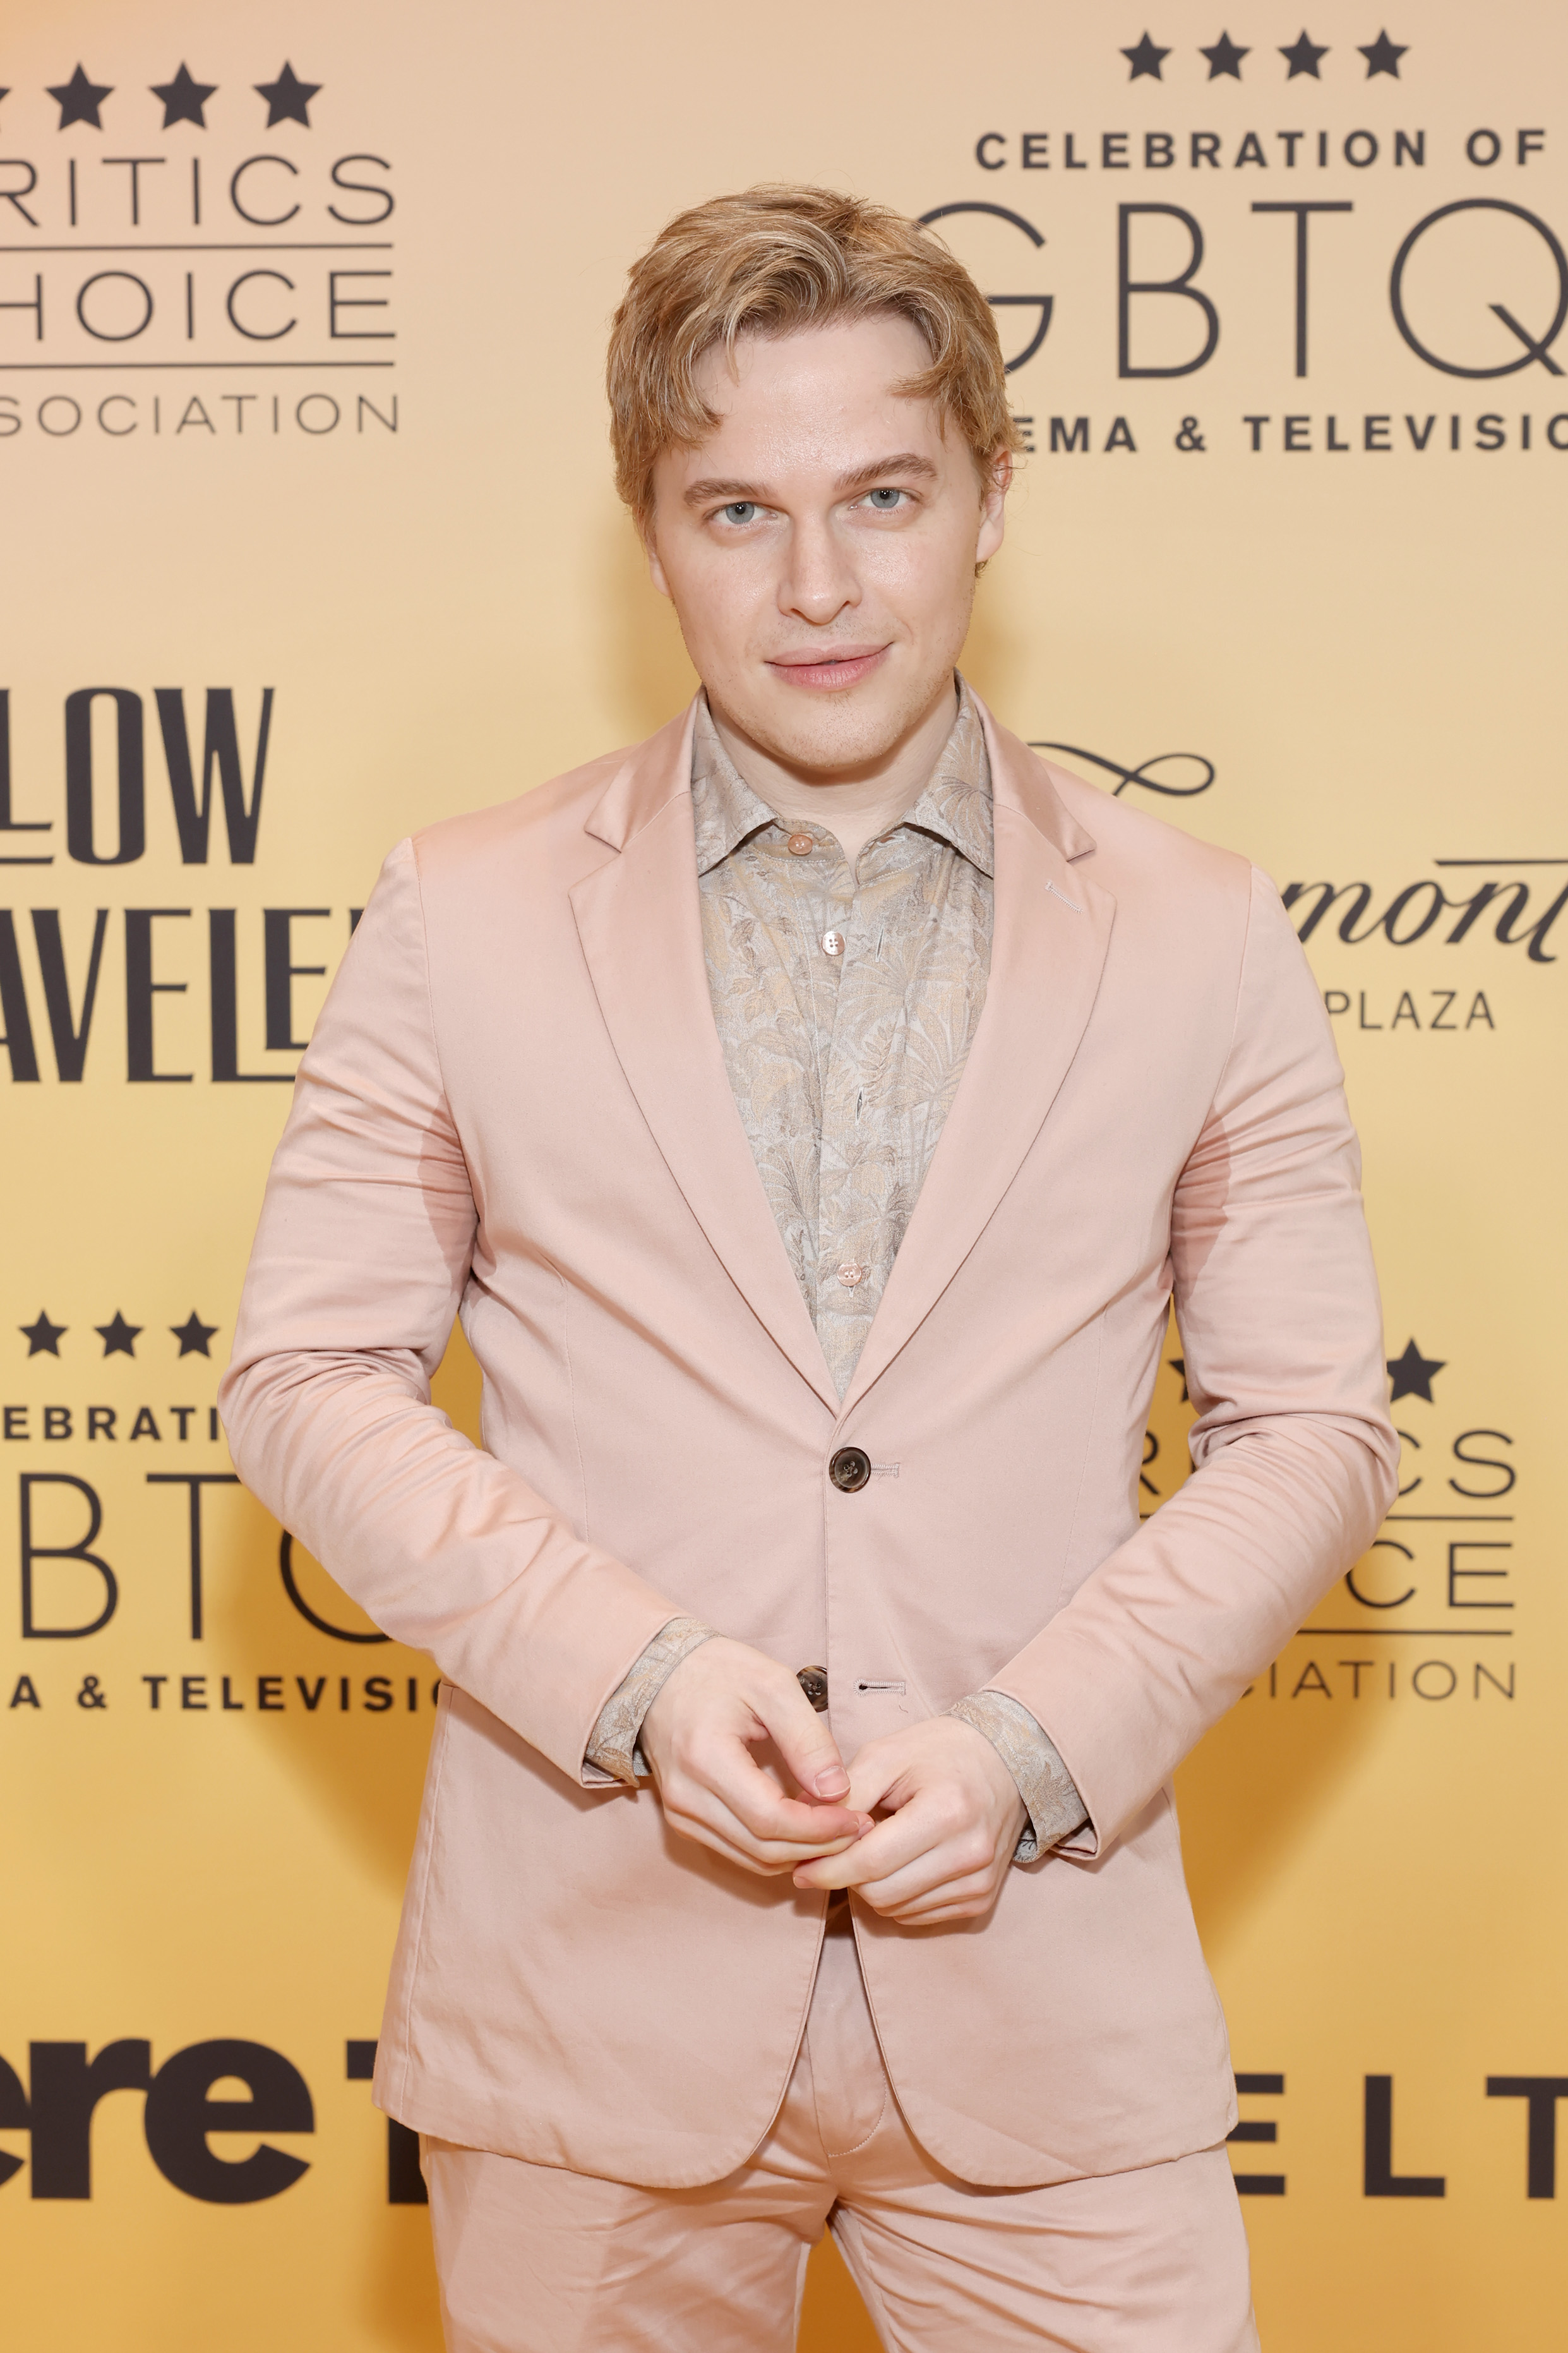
[696, 495]
[906, 462]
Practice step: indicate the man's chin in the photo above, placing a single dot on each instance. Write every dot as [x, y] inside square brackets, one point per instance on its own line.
[830, 733]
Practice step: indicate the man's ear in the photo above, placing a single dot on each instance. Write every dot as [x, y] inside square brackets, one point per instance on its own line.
[993, 505]
[655, 572]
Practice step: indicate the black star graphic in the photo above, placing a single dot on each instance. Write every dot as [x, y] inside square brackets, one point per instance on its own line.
[1146, 58]
[43, 1337]
[184, 98]
[1304, 57]
[192, 1335]
[288, 98]
[1412, 1372]
[118, 1336]
[1225, 58]
[80, 99]
[1383, 56]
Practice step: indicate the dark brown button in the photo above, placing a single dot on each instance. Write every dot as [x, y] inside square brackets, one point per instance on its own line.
[813, 1682]
[850, 1469]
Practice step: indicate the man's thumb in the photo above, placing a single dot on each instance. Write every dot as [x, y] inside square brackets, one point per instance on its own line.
[809, 1750]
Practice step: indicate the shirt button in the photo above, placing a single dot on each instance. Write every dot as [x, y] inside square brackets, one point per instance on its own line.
[800, 845]
[833, 943]
[851, 1275]
[850, 1469]
[813, 1682]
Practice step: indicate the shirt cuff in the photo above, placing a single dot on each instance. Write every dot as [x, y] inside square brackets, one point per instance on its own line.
[1046, 1785]
[613, 1743]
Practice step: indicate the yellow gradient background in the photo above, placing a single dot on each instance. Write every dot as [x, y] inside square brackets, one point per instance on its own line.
[1366, 645]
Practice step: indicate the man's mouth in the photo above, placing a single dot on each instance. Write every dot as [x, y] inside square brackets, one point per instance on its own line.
[845, 665]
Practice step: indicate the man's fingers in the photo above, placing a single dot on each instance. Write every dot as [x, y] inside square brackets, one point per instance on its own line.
[785, 1841]
[764, 1861]
[720, 1779]
[876, 1776]
[801, 1739]
[732, 1773]
[943, 1848]
[921, 1892]
[698, 1813]
[887, 1847]
[950, 1907]
[935, 1887]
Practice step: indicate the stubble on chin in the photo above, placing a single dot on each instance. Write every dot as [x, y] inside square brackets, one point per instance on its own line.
[831, 733]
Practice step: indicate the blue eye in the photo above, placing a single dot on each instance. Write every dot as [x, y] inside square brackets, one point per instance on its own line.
[884, 502]
[740, 510]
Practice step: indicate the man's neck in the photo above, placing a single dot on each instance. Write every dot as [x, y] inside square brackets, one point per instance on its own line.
[856, 804]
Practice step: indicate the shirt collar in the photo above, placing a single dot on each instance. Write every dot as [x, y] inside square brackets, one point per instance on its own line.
[727, 810]
[956, 804]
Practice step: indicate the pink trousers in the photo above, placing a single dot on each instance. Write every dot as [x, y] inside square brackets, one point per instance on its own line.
[532, 2258]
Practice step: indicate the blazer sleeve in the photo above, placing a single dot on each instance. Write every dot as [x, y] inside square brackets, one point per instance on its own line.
[1295, 1458]
[360, 1262]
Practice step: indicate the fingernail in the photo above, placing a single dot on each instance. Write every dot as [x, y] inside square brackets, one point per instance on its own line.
[833, 1783]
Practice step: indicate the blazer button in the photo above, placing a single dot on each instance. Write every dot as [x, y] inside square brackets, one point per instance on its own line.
[813, 1682]
[850, 1469]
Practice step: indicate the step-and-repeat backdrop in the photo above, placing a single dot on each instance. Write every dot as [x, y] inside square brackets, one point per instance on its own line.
[309, 539]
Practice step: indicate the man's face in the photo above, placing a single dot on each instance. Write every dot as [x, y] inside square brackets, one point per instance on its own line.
[820, 545]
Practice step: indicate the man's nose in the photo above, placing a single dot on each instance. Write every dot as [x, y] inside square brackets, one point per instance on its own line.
[819, 580]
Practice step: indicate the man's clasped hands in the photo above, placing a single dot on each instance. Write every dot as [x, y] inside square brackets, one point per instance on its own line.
[922, 1826]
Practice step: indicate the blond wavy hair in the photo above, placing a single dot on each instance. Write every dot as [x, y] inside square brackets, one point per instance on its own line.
[771, 261]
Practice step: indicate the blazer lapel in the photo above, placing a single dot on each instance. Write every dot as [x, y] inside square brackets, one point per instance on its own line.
[639, 922]
[1051, 933]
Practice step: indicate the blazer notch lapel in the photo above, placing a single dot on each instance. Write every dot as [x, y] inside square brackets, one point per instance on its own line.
[639, 922]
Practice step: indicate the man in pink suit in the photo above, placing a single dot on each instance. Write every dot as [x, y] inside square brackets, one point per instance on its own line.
[810, 1115]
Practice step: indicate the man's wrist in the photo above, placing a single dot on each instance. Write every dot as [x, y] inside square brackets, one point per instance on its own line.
[1050, 1798]
[613, 1743]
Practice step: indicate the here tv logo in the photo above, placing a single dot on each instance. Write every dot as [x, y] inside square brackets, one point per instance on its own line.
[189, 2101]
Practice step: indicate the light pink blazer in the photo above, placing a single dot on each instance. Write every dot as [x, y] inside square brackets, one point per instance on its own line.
[515, 1108]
